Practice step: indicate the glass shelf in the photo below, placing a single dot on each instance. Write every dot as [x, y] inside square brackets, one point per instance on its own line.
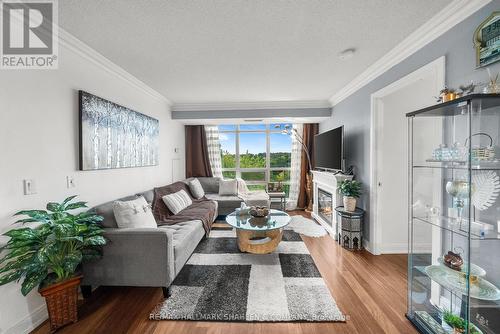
[452, 225]
[483, 290]
[476, 165]
[459, 106]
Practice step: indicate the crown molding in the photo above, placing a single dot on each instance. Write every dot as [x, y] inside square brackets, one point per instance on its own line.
[72, 43]
[443, 21]
[250, 105]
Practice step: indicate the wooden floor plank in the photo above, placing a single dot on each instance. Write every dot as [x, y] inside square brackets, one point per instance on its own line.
[370, 290]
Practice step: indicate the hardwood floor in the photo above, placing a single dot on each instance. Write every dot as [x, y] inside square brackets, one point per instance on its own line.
[370, 290]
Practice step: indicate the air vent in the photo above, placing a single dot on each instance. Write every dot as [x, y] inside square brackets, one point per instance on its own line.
[253, 120]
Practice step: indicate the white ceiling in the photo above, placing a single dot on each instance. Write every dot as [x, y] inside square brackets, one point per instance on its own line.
[196, 51]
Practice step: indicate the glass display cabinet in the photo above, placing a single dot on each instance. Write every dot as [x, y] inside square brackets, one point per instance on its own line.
[454, 216]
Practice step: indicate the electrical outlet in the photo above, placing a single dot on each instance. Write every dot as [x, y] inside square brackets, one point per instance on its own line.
[29, 187]
[70, 182]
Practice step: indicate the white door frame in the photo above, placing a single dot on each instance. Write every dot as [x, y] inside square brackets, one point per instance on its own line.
[436, 68]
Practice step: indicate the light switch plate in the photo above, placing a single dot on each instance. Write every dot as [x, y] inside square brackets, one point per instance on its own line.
[29, 186]
[70, 182]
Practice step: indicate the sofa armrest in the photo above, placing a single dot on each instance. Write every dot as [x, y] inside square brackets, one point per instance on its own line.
[133, 257]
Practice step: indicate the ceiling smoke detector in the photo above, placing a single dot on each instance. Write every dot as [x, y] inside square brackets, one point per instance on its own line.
[347, 54]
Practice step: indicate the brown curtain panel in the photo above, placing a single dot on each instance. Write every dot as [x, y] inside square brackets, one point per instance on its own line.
[310, 130]
[197, 161]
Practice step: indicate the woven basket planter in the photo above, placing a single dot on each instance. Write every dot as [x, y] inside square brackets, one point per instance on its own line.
[61, 299]
[349, 203]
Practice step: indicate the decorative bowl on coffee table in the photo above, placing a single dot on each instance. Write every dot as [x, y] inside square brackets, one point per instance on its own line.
[259, 235]
[259, 211]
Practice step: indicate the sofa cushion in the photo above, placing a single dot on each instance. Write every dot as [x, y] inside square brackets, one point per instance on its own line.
[225, 202]
[133, 214]
[106, 211]
[201, 209]
[196, 188]
[228, 187]
[257, 198]
[148, 195]
[186, 237]
[210, 184]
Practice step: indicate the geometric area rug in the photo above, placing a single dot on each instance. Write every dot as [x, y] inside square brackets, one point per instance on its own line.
[220, 283]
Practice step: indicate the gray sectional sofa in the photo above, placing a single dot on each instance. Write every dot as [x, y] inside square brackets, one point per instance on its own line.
[150, 257]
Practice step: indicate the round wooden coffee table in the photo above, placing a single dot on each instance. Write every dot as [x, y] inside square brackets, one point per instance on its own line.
[259, 235]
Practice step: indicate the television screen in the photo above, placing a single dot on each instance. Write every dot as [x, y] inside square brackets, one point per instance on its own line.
[328, 149]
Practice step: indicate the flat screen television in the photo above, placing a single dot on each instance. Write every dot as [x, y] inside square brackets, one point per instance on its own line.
[329, 149]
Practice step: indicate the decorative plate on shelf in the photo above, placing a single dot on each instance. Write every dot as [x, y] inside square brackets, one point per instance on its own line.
[474, 269]
[486, 189]
[451, 279]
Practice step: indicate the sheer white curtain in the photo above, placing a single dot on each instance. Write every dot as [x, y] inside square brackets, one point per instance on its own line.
[214, 154]
[293, 195]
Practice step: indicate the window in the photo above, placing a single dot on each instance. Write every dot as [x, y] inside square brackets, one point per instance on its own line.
[258, 153]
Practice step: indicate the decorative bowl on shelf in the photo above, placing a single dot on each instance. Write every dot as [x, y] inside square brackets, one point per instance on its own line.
[475, 270]
[259, 211]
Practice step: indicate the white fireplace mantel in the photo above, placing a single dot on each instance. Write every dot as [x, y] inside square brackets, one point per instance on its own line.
[328, 182]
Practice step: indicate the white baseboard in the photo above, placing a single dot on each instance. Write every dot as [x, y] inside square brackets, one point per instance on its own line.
[367, 245]
[30, 322]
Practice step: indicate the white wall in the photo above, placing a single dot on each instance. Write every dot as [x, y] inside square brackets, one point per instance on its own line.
[39, 140]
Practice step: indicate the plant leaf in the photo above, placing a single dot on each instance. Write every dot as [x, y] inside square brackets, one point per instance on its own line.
[9, 277]
[67, 200]
[21, 251]
[30, 212]
[18, 263]
[71, 261]
[26, 220]
[24, 233]
[76, 205]
[95, 241]
[32, 280]
[54, 207]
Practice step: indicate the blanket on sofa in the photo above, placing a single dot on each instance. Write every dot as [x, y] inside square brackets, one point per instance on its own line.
[254, 197]
[201, 209]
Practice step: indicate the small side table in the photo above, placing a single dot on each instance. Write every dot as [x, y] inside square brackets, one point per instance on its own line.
[350, 228]
[280, 195]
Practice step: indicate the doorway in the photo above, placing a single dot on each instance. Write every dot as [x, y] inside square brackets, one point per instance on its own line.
[389, 153]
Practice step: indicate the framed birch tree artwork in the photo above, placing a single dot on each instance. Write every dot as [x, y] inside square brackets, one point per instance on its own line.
[113, 136]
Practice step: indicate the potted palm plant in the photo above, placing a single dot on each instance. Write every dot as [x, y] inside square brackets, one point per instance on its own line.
[351, 190]
[48, 254]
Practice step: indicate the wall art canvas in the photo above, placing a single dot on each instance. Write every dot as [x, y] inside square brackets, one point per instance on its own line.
[487, 41]
[113, 136]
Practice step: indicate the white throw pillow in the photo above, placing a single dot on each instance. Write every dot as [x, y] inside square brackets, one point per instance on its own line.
[196, 188]
[134, 213]
[178, 201]
[228, 187]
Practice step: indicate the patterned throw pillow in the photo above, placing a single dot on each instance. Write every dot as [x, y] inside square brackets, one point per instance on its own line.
[178, 201]
[196, 188]
[133, 214]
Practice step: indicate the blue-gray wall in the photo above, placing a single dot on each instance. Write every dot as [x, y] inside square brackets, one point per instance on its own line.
[354, 111]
